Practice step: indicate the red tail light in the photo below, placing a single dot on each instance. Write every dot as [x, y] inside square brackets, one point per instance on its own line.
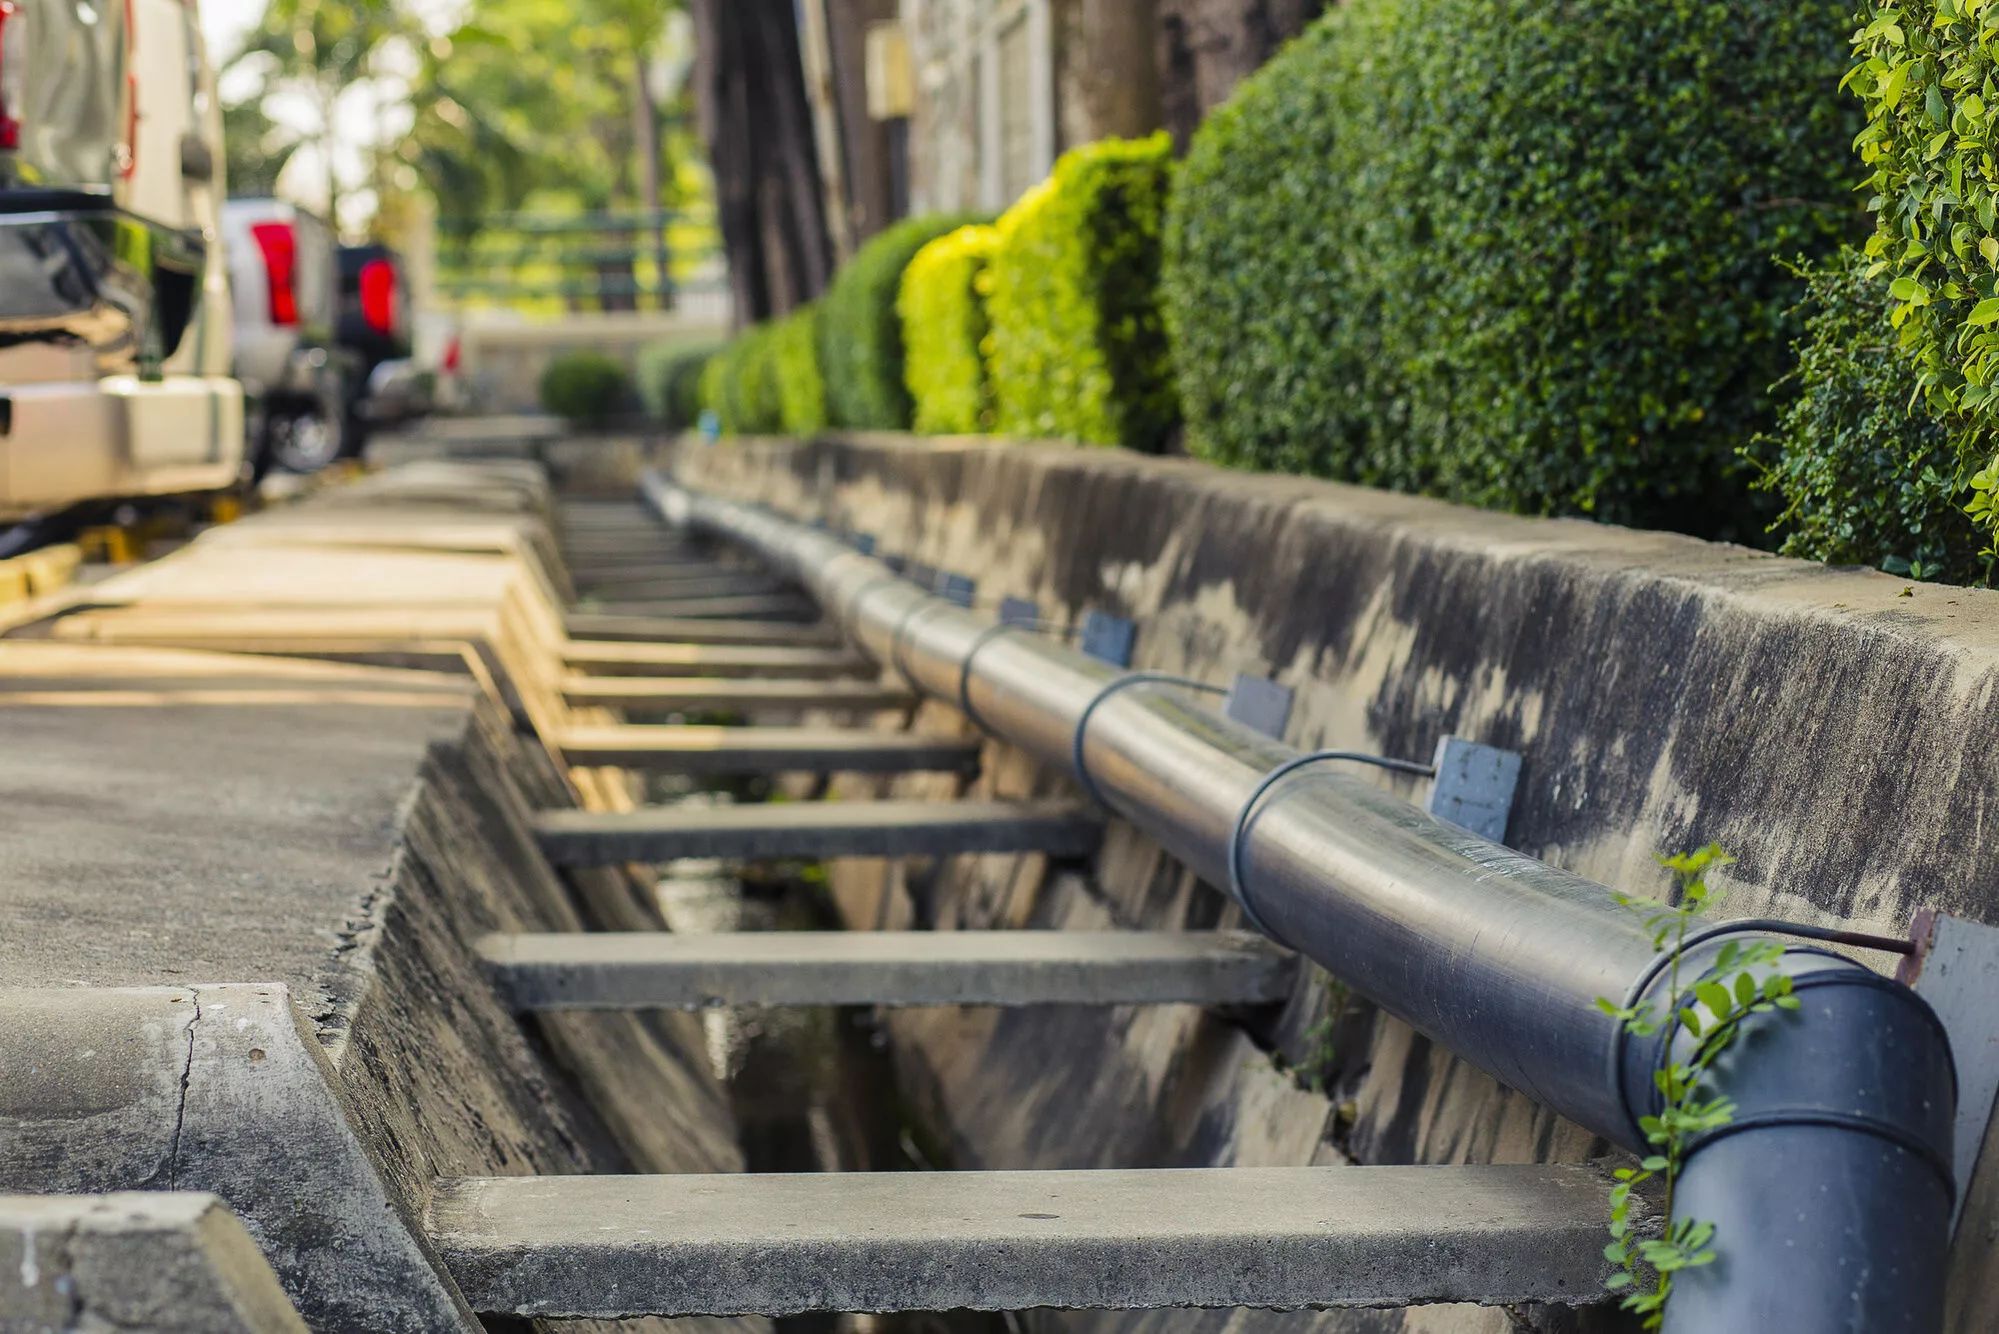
[451, 354]
[378, 295]
[280, 249]
[10, 124]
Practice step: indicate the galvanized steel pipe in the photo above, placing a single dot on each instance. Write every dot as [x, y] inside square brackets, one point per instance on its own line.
[1831, 1191]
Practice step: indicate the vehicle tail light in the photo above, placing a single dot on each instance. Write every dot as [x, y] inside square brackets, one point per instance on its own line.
[10, 100]
[451, 353]
[378, 295]
[280, 249]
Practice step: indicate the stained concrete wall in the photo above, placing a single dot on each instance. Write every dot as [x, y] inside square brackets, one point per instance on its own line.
[1832, 728]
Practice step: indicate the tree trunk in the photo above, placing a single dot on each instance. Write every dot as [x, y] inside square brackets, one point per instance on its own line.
[1206, 47]
[750, 88]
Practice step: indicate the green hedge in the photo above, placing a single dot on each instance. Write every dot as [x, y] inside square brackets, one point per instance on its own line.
[942, 306]
[860, 336]
[801, 391]
[741, 385]
[670, 381]
[1867, 474]
[586, 387]
[1078, 345]
[1925, 72]
[1515, 252]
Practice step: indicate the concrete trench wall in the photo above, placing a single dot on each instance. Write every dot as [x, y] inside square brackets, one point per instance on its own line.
[1834, 729]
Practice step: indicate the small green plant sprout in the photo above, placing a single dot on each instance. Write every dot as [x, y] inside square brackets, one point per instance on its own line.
[1742, 981]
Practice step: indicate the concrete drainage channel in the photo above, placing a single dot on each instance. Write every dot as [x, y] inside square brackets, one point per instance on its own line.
[472, 1057]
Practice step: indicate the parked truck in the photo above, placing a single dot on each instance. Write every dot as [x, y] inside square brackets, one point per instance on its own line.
[114, 302]
[300, 383]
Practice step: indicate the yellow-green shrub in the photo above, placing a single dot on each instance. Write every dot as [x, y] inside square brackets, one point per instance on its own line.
[801, 389]
[944, 327]
[1078, 345]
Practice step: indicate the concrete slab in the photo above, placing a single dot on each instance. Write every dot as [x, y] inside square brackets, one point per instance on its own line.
[218, 1088]
[626, 970]
[765, 750]
[816, 829]
[782, 606]
[744, 694]
[657, 585]
[179, 815]
[144, 1262]
[902, 1241]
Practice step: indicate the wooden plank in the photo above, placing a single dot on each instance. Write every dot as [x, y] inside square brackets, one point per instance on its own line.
[739, 693]
[646, 970]
[611, 657]
[615, 1247]
[786, 606]
[704, 630]
[816, 829]
[766, 750]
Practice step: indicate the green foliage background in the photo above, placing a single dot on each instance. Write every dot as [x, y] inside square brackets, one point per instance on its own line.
[1868, 475]
[860, 335]
[585, 387]
[1078, 344]
[1514, 252]
[669, 381]
[943, 311]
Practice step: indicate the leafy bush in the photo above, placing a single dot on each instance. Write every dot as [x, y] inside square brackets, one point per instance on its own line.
[1926, 73]
[1515, 252]
[1866, 478]
[670, 381]
[587, 388]
[801, 392]
[860, 337]
[740, 385]
[1078, 345]
[943, 311]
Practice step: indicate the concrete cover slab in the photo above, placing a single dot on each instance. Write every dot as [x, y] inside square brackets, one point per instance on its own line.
[750, 693]
[645, 969]
[901, 1241]
[816, 829]
[764, 750]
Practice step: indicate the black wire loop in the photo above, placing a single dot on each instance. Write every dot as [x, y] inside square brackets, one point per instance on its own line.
[1110, 688]
[1240, 892]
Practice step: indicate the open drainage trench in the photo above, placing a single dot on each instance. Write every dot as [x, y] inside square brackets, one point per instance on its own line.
[819, 1089]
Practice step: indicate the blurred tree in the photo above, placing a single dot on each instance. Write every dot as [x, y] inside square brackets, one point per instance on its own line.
[319, 48]
[256, 149]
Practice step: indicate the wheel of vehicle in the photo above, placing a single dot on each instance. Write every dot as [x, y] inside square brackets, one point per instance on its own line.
[303, 442]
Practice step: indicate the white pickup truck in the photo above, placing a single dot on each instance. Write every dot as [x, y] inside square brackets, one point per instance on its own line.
[114, 301]
[301, 384]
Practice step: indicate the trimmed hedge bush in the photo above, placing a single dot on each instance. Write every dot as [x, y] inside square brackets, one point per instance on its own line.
[801, 392]
[1866, 478]
[741, 385]
[942, 306]
[670, 381]
[1078, 344]
[860, 336]
[587, 388]
[1515, 252]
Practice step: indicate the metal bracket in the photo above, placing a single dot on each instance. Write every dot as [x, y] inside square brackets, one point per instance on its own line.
[1109, 638]
[1260, 703]
[1019, 611]
[896, 564]
[1956, 969]
[958, 588]
[862, 542]
[1474, 786]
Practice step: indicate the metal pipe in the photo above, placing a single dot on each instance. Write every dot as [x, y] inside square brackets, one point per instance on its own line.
[1831, 1189]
